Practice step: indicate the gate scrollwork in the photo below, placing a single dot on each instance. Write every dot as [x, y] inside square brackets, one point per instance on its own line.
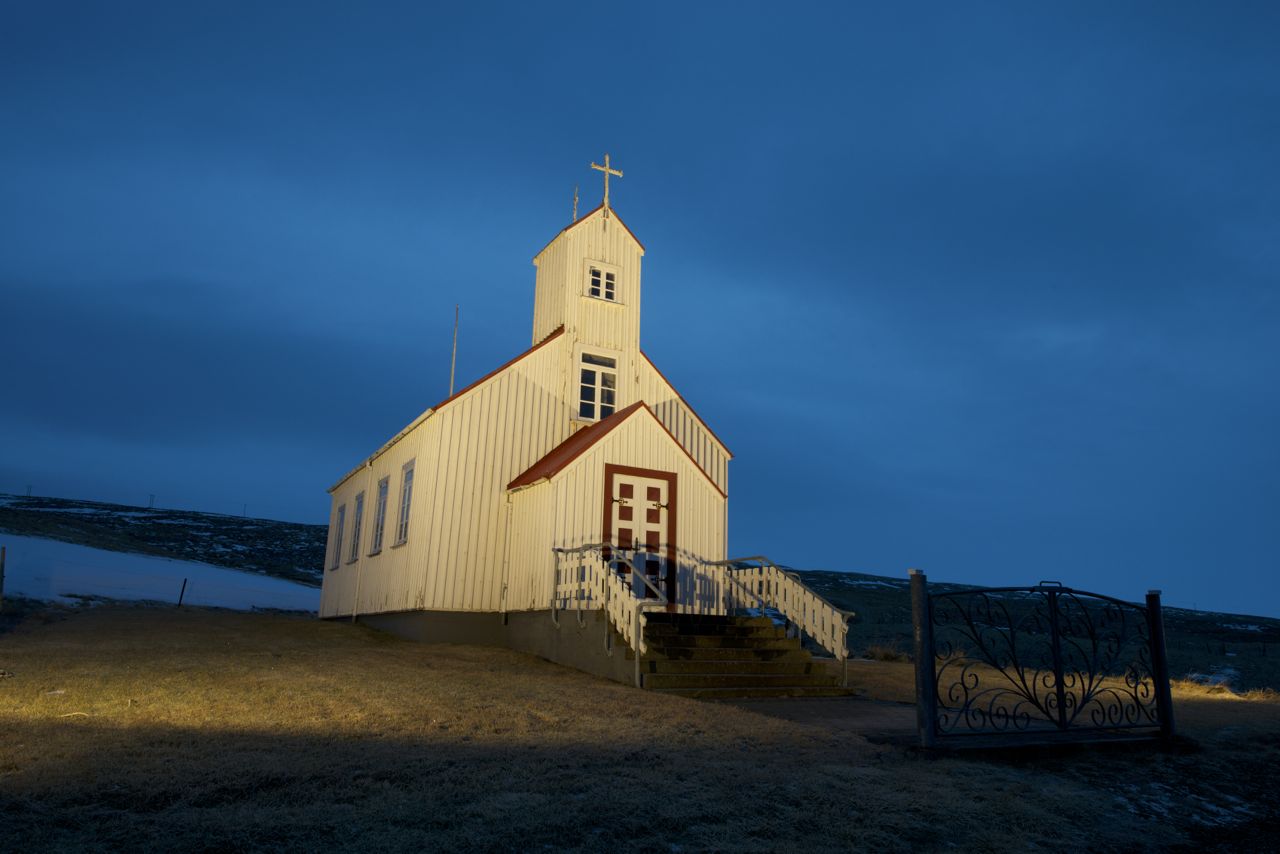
[1045, 661]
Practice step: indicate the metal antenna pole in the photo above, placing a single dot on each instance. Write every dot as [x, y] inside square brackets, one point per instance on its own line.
[453, 363]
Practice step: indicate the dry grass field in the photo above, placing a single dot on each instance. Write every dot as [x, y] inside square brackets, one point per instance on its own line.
[135, 727]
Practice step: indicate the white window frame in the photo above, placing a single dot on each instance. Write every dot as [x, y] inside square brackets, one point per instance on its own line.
[339, 522]
[606, 270]
[579, 365]
[357, 520]
[380, 514]
[406, 499]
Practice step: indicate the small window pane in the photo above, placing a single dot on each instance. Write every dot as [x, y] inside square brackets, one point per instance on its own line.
[586, 410]
[588, 393]
[608, 380]
[603, 361]
[606, 396]
[605, 411]
[588, 377]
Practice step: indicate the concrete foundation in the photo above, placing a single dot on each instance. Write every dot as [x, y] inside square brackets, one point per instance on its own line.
[581, 647]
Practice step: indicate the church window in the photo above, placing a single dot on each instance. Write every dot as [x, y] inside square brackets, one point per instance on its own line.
[603, 284]
[380, 515]
[357, 519]
[406, 493]
[340, 522]
[597, 387]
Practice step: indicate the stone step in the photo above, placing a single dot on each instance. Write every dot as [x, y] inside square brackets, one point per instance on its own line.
[746, 666]
[705, 619]
[724, 653]
[656, 630]
[737, 680]
[755, 692]
[733, 641]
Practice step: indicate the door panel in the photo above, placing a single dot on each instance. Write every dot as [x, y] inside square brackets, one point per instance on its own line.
[646, 537]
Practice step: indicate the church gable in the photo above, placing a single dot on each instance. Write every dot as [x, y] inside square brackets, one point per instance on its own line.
[588, 442]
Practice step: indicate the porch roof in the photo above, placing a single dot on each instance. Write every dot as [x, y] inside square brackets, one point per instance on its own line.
[559, 457]
[572, 448]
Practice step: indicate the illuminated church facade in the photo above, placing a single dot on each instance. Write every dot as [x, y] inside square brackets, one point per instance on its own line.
[453, 525]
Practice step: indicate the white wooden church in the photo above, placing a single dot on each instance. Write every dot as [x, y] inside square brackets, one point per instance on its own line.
[573, 476]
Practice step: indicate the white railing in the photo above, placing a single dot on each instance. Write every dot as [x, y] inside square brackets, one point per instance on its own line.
[585, 581]
[757, 582]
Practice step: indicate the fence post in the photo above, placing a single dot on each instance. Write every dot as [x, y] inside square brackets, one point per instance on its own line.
[636, 646]
[1160, 663]
[1, 578]
[1055, 646]
[922, 633]
[555, 581]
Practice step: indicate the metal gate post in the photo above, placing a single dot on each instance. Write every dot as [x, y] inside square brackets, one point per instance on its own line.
[926, 680]
[1055, 645]
[1159, 663]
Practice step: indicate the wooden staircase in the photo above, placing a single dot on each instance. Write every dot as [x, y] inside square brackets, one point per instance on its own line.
[716, 657]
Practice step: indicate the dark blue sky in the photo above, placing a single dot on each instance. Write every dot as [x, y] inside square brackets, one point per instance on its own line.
[989, 290]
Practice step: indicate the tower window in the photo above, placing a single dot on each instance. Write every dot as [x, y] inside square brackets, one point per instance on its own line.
[603, 284]
[597, 387]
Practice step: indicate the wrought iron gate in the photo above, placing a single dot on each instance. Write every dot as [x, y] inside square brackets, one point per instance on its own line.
[1015, 665]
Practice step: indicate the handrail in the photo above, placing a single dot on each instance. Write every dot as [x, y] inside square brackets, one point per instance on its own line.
[732, 563]
[786, 592]
[721, 586]
[603, 584]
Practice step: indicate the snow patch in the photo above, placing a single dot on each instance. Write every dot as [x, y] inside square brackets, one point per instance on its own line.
[1220, 675]
[858, 582]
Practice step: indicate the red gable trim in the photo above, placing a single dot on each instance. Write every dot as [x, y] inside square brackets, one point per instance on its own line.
[692, 411]
[556, 334]
[572, 448]
[579, 443]
[586, 216]
[431, 411]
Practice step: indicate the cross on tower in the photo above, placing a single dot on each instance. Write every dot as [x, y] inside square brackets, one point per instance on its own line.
[607, 172]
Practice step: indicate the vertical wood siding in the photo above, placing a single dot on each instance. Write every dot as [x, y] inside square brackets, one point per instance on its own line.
[465, 454]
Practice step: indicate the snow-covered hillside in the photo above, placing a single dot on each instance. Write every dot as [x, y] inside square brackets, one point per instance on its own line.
[264, 546]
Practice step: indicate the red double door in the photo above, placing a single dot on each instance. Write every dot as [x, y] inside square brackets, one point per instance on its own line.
[640, 522]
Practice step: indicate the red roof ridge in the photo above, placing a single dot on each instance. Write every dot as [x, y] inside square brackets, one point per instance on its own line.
[692, 411]
[387, 445]
[559, 330]
[555, 460]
